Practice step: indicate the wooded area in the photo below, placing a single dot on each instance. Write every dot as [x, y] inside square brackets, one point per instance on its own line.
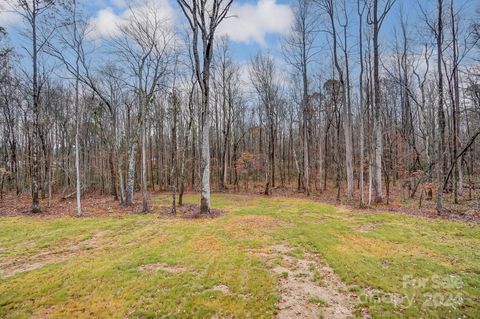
[239, 159]
[159, 108]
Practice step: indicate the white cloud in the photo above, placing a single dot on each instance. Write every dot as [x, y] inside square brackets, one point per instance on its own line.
[7, 15]
[106, 23]
[252, 22]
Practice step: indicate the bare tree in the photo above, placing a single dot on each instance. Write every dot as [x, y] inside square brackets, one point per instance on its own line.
[361, 11]
[263, 76]
[436, 27]
[347, 122]
[298, 51]
[376, 16]
[32, 11]
[144, 46]
[204, 17]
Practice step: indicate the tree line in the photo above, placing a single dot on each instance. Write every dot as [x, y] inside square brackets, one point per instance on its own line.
[158, 107]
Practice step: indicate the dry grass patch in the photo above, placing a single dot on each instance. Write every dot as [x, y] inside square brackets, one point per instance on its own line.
[247, 226]
[31, 262]
[152, 268]
[208, 243]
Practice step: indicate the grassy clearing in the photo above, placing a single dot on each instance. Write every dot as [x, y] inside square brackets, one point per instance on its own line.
[145, 266]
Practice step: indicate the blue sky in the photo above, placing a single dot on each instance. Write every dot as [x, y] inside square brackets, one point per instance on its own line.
[258, 24]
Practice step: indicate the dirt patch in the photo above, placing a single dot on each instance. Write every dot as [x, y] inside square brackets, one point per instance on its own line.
[368, 227]
[223, 289]
[32, 262]
[46, 313]
[174, 269]
[308, 287]
[190, 211]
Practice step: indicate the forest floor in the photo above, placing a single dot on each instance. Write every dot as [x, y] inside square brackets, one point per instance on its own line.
[263, 257]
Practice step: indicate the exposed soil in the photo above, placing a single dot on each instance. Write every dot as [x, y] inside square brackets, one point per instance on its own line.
[368, 226]
[308, 287]
[223, 289]
[152, 268]
[190, 211]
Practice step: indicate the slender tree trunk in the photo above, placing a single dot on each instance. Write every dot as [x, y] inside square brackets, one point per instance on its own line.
[36, 111]
[456, 105]
[377, 114]
[361, 112]
[347, 128]
[144, 169]
[348, 122]
[121, 189]
[440, 113]
[113, 180]
[78, 112]
[77, 146]
[306, 165]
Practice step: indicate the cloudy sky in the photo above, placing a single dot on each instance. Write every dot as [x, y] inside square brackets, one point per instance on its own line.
[253, 25]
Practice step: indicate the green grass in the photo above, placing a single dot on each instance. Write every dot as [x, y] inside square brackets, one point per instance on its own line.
[90, 267]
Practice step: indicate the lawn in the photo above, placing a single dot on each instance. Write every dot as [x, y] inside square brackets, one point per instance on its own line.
[146, 266]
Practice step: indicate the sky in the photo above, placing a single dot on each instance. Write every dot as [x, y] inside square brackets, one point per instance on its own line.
[253, 25]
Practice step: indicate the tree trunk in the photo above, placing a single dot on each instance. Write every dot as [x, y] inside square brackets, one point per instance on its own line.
[205, 162]
[361, 112]
[377, 99]
[144, 170]
[131, 173]
[440, 113]
[36, 111]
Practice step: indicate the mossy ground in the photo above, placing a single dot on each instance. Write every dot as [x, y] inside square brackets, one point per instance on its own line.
[92, 267]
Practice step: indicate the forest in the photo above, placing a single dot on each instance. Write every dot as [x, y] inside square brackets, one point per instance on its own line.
[343, 140]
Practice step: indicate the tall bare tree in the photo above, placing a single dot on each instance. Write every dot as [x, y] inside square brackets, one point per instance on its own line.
[264, 78]
[361, 5]
[345, 91]
[32, 11]
[204, 17]
[145, 46]
[376, 17]
[298, 51]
